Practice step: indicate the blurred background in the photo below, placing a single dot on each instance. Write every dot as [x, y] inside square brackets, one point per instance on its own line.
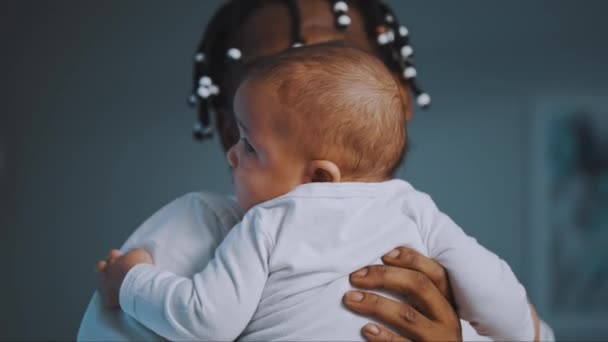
[95, 137]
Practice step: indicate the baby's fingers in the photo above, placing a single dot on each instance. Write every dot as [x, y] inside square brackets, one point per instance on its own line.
[114, 253]
[101, 265]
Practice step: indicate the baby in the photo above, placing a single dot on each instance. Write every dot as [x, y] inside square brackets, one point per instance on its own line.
[323, 128]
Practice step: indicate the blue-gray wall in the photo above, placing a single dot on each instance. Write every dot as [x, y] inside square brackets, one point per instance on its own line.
[94, 131]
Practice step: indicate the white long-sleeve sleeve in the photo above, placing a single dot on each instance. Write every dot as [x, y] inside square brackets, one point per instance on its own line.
[487, 293]
[217, 303]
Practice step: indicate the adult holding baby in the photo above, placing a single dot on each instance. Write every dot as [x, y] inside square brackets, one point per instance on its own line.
[182, 236]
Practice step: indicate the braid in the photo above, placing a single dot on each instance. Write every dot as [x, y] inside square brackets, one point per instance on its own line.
[211, 60]
[403, 54]
[296, 36]
[216, 50]
[376, 29]
[394, 46]
[204, 56]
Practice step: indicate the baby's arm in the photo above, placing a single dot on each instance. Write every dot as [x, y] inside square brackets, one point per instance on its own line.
[486, 291]
[217, 303]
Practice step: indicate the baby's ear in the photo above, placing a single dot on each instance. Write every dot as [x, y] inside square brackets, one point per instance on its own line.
[323, 171]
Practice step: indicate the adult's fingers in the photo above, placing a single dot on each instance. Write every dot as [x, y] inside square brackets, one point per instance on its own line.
[420, 291]
[405, 318]
[410, 259]
[375, 333]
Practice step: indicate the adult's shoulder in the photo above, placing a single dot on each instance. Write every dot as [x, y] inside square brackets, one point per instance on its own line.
[207, 205]
[184, 234]
[182, 237]
[203, 205]
[192, 214]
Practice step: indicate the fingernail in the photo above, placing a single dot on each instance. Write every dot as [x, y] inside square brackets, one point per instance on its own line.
[360, 273]
[394, 253]
[372, 329]
[354, 296]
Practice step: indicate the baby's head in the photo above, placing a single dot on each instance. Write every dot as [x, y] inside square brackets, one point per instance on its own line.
[319, 113]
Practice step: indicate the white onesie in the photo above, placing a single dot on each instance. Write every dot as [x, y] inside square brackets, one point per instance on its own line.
[281, 273]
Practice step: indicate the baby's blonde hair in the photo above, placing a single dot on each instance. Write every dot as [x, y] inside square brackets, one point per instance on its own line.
[341, 104]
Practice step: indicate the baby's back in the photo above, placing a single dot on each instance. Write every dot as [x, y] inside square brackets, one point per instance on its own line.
[321, 234]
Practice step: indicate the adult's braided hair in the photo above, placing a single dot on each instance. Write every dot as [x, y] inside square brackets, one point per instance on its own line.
[216, 53]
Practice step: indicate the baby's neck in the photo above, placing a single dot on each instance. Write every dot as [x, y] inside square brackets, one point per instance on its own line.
[364, 179]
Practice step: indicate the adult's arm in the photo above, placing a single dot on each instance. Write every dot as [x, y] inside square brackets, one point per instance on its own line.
[182, 237]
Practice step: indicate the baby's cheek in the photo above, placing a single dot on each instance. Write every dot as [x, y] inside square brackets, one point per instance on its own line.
[259, 186]
[246, 187]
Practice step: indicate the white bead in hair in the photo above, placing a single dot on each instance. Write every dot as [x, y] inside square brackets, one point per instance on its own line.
[389, 18]
[340, 6]
[391, 35]
[207, 131]
[214, 90]
[204, 92]
[406, 51]
[403, 31]
[409, 72]
[383, 38]
[344, 20]
[234, 53]
[423, 100]
[201, 132]
[205, 81]
[199, 57]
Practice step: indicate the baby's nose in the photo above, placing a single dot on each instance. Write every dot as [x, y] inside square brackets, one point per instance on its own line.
[231, 156]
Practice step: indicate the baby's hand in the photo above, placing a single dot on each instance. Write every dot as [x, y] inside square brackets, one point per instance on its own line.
[112, 271]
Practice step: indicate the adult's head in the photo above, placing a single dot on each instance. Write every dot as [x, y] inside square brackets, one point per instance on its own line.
[244, 31]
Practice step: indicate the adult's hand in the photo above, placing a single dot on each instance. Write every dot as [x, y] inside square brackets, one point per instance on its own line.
[428, 314]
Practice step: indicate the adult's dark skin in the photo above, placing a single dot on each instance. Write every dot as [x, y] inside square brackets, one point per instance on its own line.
[428, 315]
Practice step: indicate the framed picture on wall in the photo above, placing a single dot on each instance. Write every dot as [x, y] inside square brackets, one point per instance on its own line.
[569, 235]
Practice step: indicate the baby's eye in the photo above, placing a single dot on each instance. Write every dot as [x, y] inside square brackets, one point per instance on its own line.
[248, 148]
